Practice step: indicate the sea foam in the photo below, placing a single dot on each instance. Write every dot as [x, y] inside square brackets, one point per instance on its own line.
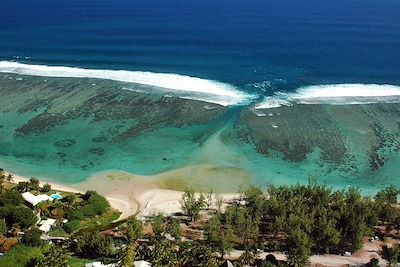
[335, 94]
[202, 89]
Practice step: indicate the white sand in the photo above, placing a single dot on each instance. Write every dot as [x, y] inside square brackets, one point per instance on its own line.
[143, 195]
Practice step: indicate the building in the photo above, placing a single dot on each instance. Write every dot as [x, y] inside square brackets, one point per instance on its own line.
[98, 264]
[46, 225]
[34, 200]
[142, 264]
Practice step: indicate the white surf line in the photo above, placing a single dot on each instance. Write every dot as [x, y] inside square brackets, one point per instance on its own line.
[225, 94]
[335, 94]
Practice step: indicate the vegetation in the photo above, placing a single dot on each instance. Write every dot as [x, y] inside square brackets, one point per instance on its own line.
[51, 256]
[93, 245]
[32, 237]
[18, 224]
[299, 219]
[191, 204]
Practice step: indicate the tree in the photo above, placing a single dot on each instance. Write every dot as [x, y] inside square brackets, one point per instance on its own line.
[219, 201]
[352, 221]
[46, 187]
[134, 229]
[247, 258]
[374, 262]
[52, 257]
[254, 199]
[20, 215]
[10, 178]
[244, 226]
[209, 199]
[174, 228]
[192, 205]
[219, 236]
[129, 255]
[196, 255]
[71, 226]
[23, 187]
[3, 227]
[386, 201]
[93, 245]
[12, 197]
[324, 233]
[34, 184]
[163, 254]
[2, 180]
[393, 255]
[299, 245]
[15, 230]
[32, 237]
[134, 232]
[388, 195]
[158, 227]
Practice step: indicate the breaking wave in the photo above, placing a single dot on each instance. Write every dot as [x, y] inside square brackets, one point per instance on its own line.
[190, 87]
[335, 94]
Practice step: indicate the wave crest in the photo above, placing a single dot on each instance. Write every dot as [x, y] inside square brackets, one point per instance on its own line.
[203, 89]
[335, 94]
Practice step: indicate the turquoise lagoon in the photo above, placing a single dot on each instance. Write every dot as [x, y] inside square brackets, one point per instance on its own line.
[69, 129]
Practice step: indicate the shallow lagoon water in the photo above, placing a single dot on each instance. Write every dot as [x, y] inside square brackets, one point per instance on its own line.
[67, 130]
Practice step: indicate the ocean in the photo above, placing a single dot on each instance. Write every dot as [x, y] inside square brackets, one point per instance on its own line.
[301, 68]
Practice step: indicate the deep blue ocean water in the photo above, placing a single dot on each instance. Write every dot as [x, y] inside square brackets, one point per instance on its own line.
[272, 44]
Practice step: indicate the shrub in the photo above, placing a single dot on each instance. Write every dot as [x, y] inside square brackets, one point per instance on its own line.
[71, 226]
[46, 188]
[12, 197]
[93, 245]
[22, 216]
[32, 236]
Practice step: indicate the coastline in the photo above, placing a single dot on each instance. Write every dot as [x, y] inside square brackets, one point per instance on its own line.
[136, 195]
[116, 203]
[143, 198]
[161, 193]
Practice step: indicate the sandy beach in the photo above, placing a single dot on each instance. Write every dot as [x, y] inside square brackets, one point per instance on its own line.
[146, 195]
[122, 205]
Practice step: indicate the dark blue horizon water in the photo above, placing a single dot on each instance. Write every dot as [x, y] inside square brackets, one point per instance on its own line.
[275, 44]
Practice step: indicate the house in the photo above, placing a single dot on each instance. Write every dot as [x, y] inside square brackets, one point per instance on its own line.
[98, 264]
[227, 263]
[34, 200]
[142, 264]
[46, 225]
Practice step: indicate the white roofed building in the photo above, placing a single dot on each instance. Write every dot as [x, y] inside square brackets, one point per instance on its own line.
[142, 264]
[46, 225]
[98, 264]
[34, 200]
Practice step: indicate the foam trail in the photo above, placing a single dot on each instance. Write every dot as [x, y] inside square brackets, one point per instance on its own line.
[225, 94]
[335, 94]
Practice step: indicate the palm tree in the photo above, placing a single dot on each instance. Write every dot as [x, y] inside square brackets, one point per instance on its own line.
[15, 230]
[10, 178]
[2, 180]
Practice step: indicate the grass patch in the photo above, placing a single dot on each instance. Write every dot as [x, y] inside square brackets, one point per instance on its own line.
[58, 231]
[19, 256]
[106, 218]
[77, 262]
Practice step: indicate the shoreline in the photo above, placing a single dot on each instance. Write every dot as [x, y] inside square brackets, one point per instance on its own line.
[115, 203]
[135, 195]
